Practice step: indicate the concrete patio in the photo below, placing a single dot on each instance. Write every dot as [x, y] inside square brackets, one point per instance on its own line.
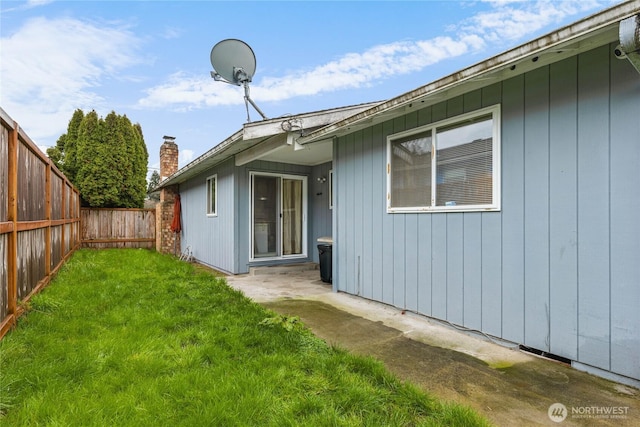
[505, 384]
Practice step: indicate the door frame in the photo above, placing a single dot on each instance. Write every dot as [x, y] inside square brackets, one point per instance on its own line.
[305, 227]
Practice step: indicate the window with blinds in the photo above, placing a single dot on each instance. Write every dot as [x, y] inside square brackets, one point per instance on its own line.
[451, 165]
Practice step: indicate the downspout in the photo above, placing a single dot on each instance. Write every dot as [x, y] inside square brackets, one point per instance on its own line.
[630, 41]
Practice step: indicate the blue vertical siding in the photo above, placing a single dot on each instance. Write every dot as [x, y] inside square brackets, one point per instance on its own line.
[378, 190]
[512, 214]
[558, 267]
[367, 278]
[536, 207]
[319, 213]
[624, 224]
[454, 267]
[563, 224]
[212, 239]
[625, 227]
[357, 213]
[494, 321]
[386, 229]
[439, 266]
[593, 208]
[350, 267]
[471, 280]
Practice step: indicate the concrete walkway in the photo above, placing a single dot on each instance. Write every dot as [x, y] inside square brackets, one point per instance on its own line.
[506, 385]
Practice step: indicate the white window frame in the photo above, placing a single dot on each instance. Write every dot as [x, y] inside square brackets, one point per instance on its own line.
[305, 223]
[433, 127]
[212, 211]
[330, 188]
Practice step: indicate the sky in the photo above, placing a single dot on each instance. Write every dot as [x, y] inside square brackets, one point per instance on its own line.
[150, 60]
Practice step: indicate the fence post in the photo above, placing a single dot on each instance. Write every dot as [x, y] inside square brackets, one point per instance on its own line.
[12, 215]
[63, 215]
[47, 243]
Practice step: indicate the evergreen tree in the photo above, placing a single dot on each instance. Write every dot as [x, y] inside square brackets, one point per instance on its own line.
[64, 153]
[154, 180]
[105, 158]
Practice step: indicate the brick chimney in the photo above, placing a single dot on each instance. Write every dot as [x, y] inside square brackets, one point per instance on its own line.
[166, 240]
[168, 157]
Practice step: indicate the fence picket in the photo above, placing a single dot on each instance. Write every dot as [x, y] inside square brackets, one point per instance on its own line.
[36, 237]
[118, 228]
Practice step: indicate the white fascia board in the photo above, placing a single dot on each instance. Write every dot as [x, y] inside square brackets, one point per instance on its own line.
[300, 122]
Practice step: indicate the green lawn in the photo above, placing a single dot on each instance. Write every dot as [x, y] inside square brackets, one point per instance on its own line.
[133, 338]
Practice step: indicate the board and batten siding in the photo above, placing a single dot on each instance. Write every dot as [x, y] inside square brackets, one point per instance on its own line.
[212, 239]
[558, 268]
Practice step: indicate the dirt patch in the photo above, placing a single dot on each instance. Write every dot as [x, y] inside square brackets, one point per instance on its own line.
[506, 392]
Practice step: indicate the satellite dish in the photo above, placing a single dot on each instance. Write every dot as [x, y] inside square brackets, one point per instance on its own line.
[233, 60]
[234, 63]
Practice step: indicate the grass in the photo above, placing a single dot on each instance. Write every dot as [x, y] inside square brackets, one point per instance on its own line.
[133, 338]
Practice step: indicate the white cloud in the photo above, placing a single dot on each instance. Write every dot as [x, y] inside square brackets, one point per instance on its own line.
[506, 22]
[511, 20]
[50, 67]
[172, 33]
[353, 70]
[29, 4]
[185, 92]
[185, 156]
[35, 3]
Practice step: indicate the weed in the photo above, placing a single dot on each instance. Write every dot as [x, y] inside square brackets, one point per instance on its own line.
[288, 323]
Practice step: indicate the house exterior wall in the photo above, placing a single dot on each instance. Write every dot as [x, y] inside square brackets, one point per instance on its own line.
[212, 239]
[558, 268]
[319, 213]
[223, 241]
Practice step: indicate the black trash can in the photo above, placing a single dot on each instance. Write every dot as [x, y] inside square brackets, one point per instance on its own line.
[324, 250]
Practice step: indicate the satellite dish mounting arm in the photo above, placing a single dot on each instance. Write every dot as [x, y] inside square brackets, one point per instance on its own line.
[240, 77]
[248, 99]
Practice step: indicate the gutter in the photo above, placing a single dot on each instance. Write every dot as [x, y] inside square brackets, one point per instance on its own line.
[630, 41]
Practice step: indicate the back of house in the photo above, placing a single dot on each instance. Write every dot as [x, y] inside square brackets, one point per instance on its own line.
[503, 198]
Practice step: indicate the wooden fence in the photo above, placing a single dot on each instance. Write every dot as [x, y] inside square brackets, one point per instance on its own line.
[118, 228]
[39, 220]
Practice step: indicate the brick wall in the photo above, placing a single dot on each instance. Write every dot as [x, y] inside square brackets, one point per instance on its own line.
[167, 241]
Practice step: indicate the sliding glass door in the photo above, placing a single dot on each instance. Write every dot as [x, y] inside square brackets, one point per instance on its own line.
[278, 216]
